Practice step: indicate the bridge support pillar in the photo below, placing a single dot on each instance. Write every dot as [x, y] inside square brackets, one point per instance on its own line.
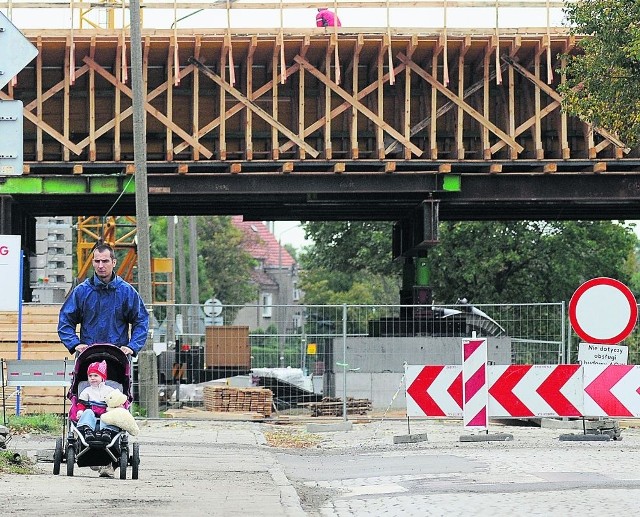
[412, 238]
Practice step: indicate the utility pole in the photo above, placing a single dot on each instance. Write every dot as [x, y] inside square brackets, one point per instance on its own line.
[147, 368]
[171, 294]
[193, 277]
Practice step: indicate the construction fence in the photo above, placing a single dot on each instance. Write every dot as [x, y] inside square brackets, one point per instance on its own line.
[220, 358]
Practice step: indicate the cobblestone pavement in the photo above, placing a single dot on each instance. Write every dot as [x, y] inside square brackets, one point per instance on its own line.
[361, 473]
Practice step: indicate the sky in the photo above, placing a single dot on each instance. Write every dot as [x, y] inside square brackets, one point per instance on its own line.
[290, 232]
[477, 17]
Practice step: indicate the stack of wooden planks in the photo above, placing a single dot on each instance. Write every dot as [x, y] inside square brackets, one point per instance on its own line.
[39, 341]
[238, 400]
[330, 406]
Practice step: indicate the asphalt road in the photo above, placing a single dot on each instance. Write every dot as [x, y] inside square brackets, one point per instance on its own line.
[227, 468]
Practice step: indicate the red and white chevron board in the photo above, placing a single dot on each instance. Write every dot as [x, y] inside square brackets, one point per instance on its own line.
[434, 390]
[612, 390]
[535, 390]
[474, 384]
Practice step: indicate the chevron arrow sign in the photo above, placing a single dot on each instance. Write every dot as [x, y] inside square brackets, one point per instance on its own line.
[525, 391]
[612, 390]
[434, 391]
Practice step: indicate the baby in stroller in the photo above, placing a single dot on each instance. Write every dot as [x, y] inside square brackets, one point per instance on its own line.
[99, 371]
[91, 404]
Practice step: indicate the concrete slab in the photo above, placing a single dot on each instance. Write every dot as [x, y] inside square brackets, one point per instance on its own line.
[329, 428]
[489, 437]
[411, 438]
[584, 438]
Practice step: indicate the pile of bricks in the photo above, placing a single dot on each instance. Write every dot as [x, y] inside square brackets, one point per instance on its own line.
[227, 399]
[330, 406]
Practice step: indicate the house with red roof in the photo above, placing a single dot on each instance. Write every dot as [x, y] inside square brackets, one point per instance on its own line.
[276, 279]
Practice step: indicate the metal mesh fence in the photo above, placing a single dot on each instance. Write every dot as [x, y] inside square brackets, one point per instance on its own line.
[309, 357]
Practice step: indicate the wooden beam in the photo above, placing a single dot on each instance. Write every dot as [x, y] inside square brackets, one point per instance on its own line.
[47, 128]
[286, 168]
[354, 102]
[345, 105]
[148, 107]
[39, 142]
[599, 167]
[394, 145]
[236, 108]
[389, 167]
[275, 106]
[472, 112]
[355, 81]
[235, 168]
[256, 109]
[248, 114]
[339, 167]
[556, 96]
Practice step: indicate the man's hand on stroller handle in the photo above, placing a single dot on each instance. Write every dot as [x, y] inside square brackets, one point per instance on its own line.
[82, 347]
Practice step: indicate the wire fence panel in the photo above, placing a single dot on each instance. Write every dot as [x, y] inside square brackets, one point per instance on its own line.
[309, 357]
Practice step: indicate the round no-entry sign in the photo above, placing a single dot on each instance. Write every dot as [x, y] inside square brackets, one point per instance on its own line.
[603, 310]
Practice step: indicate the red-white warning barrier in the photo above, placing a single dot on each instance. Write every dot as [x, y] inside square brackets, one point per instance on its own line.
[474, 384]
[527, 391]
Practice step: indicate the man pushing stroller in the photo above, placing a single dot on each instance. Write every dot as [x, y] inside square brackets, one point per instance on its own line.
[108, 310]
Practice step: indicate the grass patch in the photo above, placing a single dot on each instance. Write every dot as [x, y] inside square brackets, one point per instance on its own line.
[292, 439]
[35, 424]
[12, 464]
[138, 410]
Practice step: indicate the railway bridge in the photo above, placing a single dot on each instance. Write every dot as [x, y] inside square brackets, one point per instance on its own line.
[407, 125]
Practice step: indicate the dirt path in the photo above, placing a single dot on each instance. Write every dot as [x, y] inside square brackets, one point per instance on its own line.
[188, 468]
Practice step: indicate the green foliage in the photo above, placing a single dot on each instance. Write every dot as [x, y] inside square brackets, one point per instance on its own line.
[332, 287]
[518, 262]
[224, 268]
[225, 265]
[268, 346]
[11, 464]
[368, 244]
[487, 262]
[38, 424]
[602, 81]
[349, 262]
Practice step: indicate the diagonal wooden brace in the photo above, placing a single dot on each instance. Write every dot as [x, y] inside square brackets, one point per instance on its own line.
[255, 109]
[148, 107]
[460, 102]
[357, 105]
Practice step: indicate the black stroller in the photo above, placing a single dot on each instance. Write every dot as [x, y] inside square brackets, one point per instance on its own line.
[87, 453]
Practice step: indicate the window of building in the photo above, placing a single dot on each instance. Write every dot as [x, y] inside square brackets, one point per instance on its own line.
[296, 292]
[267, 305]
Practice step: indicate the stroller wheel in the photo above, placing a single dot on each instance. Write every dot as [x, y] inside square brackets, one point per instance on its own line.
[124, 459]
[71, 460]
[135, 460]
[57, 457]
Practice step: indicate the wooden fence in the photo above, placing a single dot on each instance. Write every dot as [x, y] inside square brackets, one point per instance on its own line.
[39, 341]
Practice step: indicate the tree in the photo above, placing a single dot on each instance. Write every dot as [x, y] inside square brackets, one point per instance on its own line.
[487, 262]
[349, 262]
[350, 246]
[519, 262]
[603, 80]
[224, 267]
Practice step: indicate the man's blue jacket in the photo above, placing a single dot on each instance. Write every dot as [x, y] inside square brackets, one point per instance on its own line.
[104, 313]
